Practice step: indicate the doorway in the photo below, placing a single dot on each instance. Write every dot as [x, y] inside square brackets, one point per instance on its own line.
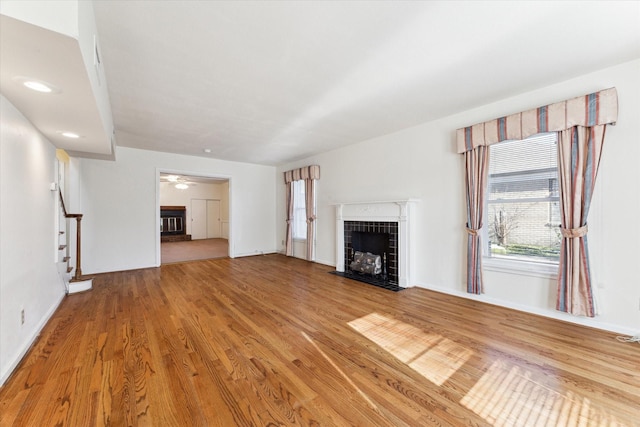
[206, 202]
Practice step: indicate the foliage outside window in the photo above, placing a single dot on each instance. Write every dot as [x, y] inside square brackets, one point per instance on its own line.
[299, 211]
[522, 213]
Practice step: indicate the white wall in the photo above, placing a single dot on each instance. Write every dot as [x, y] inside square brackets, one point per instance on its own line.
[299, 248]
[29, 276]
[421, 162]
[120, 206]
[172, 196]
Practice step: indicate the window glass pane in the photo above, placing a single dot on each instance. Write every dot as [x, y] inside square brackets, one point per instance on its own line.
[523, 211]
[299, 212]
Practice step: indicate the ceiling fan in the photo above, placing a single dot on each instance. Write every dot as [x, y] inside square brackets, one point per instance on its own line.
[179, 182]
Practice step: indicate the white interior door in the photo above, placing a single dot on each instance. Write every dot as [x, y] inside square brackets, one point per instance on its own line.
[213, 219]
[198, 219]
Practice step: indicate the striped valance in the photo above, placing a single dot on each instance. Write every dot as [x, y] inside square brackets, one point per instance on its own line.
[307, 172]
[597, 108]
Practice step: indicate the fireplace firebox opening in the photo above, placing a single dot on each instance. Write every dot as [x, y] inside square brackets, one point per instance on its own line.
[377, 238]
[173, 224]
[369, 253]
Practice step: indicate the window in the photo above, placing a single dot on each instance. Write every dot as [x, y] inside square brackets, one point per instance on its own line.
[522, 209]
[299, 211]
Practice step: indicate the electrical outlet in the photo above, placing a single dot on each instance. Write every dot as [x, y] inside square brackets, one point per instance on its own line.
[22, 316]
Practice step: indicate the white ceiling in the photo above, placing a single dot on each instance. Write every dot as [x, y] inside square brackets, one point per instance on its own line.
[270, 82]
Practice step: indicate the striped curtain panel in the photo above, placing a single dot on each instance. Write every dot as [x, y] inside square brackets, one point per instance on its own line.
[477, 167]
[579, 151]
[580, 123]
[288, 247]
[310, 208]
[309, 174]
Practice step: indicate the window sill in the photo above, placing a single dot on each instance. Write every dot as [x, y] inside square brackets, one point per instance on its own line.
[522, 268]
[297, 239]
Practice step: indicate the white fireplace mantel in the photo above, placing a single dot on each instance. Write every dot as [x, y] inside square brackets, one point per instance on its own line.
[400, 211]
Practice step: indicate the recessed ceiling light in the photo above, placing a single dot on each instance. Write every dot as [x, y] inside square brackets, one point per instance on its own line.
[71, 135]
[182, 186]
[173, 178]
[36, 85]
[207, 150]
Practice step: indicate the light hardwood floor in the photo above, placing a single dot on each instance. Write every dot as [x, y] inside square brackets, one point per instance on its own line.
[270, 340]
[192, 250]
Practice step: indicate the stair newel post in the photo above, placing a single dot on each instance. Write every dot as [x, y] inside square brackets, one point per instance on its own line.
[78, 274]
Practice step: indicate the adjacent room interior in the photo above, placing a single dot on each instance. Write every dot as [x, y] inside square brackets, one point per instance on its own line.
[189, 189]
[194, 217]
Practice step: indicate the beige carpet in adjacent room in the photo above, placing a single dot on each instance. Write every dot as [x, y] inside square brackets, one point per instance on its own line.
[194, 250]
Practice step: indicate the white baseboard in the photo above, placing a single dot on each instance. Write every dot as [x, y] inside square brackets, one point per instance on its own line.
[552, 314]
[31, 340]
[245, 254]
[327, 263]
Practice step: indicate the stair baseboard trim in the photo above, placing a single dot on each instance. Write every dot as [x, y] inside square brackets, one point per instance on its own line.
[80, 286]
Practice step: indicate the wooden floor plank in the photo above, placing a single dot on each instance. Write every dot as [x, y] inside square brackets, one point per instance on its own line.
[271, 340]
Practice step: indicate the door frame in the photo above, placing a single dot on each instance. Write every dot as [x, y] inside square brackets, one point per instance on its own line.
[227, 178]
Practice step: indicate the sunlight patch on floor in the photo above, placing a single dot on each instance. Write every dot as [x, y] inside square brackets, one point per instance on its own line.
[434, 357]
[508, 395]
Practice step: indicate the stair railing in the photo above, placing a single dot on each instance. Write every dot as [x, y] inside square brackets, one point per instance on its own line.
[78, 274]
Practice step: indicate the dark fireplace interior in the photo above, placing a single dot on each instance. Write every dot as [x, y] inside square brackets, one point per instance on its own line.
[376, 237]
[173, 223]
[375, 243]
